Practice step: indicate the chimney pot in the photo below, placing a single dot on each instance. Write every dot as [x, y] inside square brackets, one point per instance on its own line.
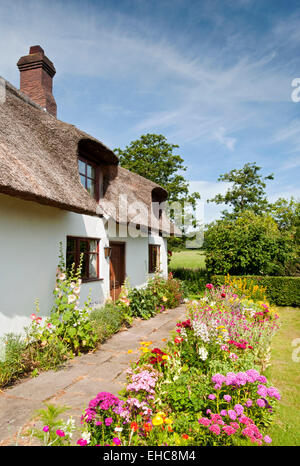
[35, 49]
[36, 74]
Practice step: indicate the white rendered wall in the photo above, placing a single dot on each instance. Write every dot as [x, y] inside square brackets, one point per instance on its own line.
[30, 234]
[29, 246]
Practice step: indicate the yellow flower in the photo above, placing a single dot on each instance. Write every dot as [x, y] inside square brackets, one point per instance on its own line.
[157, 420]
[146, 343]
[130, 351]
[165, 356]
[168, 420]
[165, 299]
[145, 350]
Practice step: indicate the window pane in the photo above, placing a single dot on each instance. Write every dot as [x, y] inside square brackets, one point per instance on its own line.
[81, 166]
[70, 260]
[83, 246]
[93, 266]
[93, 245]
[91, 187]
[71, 244]
[83, 180]
[84, 269]
[90, 171]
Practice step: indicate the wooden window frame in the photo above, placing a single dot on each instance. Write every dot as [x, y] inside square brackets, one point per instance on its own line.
[86, 177]
[152, 267]
[77, 254]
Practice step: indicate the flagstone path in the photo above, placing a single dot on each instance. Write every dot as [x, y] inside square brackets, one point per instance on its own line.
[81, 378]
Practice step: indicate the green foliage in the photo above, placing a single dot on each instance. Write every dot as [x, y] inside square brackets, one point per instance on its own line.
[188, 393]
[152, 157]
[249, 244]
[106, 320]
[282, 291]
[142, 303]
[51, 425]
[247, 191]
[194, 280]
[13, 364]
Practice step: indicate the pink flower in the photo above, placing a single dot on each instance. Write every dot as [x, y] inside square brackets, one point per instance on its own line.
[232, 414]
[116, 441]
[248, 403]
[204, 421]
[60, 433]
[82, 442]
[261, 403]
[46, 428]
[33, 317]
[229, 430]
[223, 412]
[227, 398]
[267, 439]
[211, 396]
[215, 429]
[209, 286]
[108, 421]
[239, 409]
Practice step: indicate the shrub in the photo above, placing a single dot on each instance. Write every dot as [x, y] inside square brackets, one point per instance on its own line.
[281, 291]
[250, 244]
[193, 280]
[106, 320]
[13, 364]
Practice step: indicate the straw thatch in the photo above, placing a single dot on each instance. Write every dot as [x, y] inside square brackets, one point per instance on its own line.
[38, 162]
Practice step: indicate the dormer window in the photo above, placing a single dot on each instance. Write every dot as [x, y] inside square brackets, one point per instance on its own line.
[89, 175]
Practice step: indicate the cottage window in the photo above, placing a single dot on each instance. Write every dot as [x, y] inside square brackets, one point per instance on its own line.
[89, 172]
[154, 258]
[90, 249]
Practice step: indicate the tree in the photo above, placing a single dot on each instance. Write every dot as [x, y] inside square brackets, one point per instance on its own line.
[250, 244]
[247, 191]
[152, 157]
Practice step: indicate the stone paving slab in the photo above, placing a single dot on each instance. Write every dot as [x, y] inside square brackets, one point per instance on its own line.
[81, 378]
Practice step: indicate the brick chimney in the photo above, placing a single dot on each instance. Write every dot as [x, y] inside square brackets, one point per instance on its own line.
[36, 73]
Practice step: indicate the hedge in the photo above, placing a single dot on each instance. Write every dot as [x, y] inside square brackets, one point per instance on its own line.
[282, 291]
[194, 279]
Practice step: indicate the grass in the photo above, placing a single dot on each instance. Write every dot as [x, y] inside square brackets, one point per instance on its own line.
[189, 258]
[285, 375]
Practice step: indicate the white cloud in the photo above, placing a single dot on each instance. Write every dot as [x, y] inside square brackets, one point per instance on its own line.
[221, 137]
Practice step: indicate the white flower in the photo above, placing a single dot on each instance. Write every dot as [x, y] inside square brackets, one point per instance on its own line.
[86, 436]
[118, 429]
[72, 298]
[62, 276]
[77, 290]
[203, 353]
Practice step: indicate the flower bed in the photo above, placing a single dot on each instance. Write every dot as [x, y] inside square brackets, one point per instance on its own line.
[205, 387]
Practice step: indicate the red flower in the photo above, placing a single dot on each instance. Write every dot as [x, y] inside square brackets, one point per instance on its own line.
[134, 426]
[185, 436]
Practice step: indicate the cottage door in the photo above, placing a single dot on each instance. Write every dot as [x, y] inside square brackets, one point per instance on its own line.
[117, 269]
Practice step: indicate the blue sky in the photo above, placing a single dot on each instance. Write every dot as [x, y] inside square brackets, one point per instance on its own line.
[212, 76]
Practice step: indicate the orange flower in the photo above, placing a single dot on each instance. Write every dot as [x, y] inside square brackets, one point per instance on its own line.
[170, 429]
[134, 426]
[148, 427]
[185, 436]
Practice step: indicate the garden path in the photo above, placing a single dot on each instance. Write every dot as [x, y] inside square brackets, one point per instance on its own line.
[81, 379]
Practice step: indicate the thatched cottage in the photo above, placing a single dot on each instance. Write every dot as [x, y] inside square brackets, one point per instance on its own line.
[59, 184]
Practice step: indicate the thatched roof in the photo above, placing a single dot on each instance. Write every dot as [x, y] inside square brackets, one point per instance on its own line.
[38, 162]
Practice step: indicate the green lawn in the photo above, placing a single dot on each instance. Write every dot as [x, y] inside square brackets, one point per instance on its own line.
[284, 374]
[190, 258]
